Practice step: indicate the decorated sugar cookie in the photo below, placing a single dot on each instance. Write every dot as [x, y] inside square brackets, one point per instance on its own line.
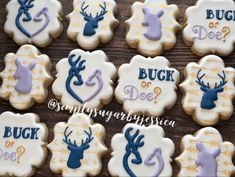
[205, 154]
[152, 27]
[26, 77]
[147, 86]
[77, 147]
[84, 78]
[210, 27]
[141, 151]
[92, 22]
[208, 90]
[34, 21]
[22, 144]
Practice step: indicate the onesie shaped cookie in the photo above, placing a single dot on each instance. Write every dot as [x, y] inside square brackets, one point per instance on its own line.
[34, 21]
[208, 90]
[26, 77]
[205, 154]
[77, 147]
[152, 27]
[92, 22]
[23, 142]
[147, 86]
[84, 78]
[210, 27]
[141, 151]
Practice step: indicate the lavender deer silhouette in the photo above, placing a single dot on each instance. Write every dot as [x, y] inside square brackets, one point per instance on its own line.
[92, 22]
[76, 152]
[24, 75]
[210, 94]
[207, 160]
[132, 148]
[153, 22]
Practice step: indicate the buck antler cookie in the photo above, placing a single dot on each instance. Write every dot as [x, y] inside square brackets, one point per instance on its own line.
[84, 78]
[34, 21]
[136, 154]
[152, 27]
[92, 22]
[208, 90]
[205, 154]
[22, 144]
[210, 27]
[147, 86]
[26, 77]
[77, 147]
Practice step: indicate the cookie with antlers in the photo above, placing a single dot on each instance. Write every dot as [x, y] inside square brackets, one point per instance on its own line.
[147, 86]
[208, 90]
[84, 78]
[92, 22]
[205, 154]
[33, 21]
[77, 147]
[152, 27]
[23, 142]
[135, 153]
[210, 27]
[26, 77]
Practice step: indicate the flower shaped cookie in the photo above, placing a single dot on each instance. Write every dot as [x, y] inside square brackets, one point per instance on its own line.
[141, 151]
[77, 147]
[22, 144]
[147, 86]
[152, 27]
[92, 22]
[84, 78]
[205, 154]
[34, 21]
[26, 77]
[208, 90]
[210, 27]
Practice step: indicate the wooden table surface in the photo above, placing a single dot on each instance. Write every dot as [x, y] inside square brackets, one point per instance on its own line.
[119, 53]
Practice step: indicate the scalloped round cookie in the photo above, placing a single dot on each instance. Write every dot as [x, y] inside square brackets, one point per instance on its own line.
[23, 142]
[208, 90]
[152, 27]
[210, 27]
[141, 151]
[92, 22]
[84, 78]
[36, 22]
[26, 77]
[78, 147]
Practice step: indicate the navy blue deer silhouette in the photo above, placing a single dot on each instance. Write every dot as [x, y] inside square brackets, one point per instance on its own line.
[77, 66]
[132, 148]
[210, 94]
[76, 152]
[92, 22]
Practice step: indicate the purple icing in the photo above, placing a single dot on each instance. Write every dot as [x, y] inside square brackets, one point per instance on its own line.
[37, 18]
[24, 76]
[153, 22]
[149, 161]
[207, 161]
[97, 74]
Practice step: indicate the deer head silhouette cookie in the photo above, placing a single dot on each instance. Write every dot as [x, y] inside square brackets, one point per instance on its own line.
[84, 78]
[152, 27]
[137, 153]
[23, 142]
[26, 77]
[208, 90]
[205, 154]
[92, 22]
[34, 21]
[77, 147]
